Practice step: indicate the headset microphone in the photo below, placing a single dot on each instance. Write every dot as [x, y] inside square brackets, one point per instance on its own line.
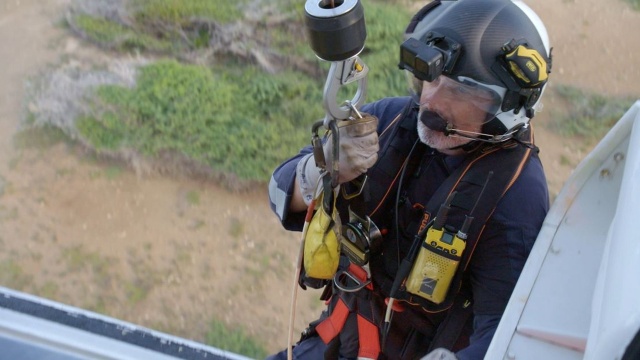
[434, 122]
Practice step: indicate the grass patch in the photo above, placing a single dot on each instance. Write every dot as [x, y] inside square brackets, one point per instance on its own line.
[5, 212]
[180, 12]
[113, 172]
[197, 112]
[78, 259]
[99, 306]
[62, 172]
[589, 115]
[635, 4]
[386, 23]
[193, 197]
[166, 26]
[236, 228]
[136, 291]
[3, 186]
[40, 137]
[146, 278]
[182, 258]
[565, 161]
[13, 276]
[234, 340]
[49, 290]
[116, 36]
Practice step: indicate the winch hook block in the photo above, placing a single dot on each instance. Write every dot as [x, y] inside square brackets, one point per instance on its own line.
[337, 33]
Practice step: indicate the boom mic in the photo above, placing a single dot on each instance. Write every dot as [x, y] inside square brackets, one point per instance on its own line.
[434, 122]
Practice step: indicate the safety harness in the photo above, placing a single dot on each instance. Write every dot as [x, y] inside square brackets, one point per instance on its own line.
[467, 182]
[345, 306]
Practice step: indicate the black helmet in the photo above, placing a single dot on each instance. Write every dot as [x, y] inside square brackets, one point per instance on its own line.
[500, 45]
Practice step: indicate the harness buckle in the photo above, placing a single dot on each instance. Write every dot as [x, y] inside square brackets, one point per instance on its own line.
[341, 282]
[353, 279]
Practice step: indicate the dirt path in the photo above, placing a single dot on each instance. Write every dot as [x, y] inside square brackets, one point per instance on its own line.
[23, 51]
[174, 254]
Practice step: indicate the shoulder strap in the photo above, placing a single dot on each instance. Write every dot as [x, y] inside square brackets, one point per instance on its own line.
[396, 143]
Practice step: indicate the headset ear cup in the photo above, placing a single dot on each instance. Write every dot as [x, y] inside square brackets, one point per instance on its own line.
[510, 101]
[494, 127]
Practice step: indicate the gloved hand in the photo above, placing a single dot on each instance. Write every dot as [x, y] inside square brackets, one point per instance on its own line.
[358, 152]
[440, 354]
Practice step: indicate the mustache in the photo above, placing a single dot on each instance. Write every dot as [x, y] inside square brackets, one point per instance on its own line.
[434, 121]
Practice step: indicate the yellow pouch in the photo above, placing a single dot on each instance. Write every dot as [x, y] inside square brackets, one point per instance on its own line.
[322, 240]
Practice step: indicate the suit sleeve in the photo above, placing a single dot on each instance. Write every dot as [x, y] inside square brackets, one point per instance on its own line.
[281, 188]
[281, 184]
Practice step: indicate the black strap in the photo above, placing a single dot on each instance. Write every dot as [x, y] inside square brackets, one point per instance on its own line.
[332, 351]
[420, 15]
[361, 185]
[452, 327]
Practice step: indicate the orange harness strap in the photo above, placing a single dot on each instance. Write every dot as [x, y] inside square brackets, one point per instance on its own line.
[368, 332]
[330, 327]
[369, 339]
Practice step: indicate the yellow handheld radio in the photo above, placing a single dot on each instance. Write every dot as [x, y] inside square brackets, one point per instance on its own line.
[439, 256]
[436, 264]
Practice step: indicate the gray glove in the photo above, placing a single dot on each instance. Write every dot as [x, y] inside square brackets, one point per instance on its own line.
[358, 152]
[440, 354]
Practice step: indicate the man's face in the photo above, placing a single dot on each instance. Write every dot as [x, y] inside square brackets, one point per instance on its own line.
[464, 107]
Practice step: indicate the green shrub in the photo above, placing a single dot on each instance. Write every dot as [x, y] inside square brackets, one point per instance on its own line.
[232, 117]
[205, 115]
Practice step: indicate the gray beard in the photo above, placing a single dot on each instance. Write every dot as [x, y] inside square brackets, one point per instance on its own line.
[438, 140]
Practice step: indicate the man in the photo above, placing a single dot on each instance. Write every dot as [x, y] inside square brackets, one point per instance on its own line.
[462, 143]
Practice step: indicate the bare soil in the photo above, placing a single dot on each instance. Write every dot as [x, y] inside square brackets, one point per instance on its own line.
[175, 253]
